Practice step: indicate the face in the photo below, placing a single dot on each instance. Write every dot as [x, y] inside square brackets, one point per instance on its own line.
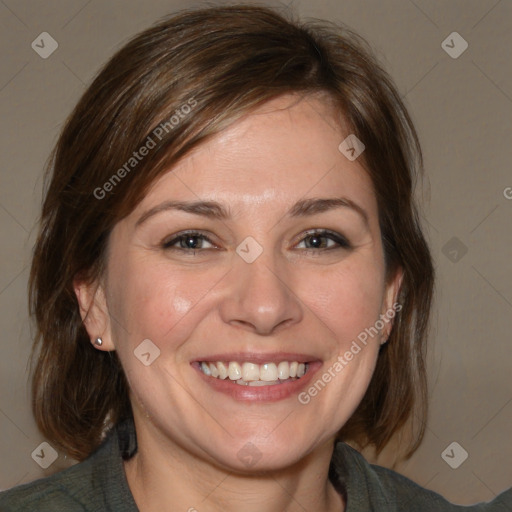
[259, 249]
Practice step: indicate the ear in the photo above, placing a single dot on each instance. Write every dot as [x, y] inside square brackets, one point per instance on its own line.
[94, 313]
[390, 304]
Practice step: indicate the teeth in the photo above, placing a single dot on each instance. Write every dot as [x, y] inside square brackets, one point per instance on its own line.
[250, 371]
[254, 374]
[283, 370]
[223, 371]
[206, 369]
[213, 370]
[263, 383]
[268, 372]
[235, 371]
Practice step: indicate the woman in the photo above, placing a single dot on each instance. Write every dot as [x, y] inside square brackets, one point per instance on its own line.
[230, 277]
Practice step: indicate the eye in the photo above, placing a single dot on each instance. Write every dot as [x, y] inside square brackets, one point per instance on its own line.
[323, 240]
[188, 241]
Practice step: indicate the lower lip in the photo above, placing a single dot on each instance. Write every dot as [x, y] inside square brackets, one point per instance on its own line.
[272, 393]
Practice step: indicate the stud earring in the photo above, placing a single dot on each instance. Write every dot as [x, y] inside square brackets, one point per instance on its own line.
[98, 342]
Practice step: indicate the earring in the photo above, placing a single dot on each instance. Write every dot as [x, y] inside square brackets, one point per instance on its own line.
[98, 342]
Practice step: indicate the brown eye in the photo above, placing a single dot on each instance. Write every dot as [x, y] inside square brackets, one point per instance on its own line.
[324, 240]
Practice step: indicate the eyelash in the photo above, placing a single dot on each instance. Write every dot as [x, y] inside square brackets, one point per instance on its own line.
[342, 242]
[169, 244]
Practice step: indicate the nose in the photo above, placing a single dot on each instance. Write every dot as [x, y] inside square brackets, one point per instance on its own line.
[260, 297]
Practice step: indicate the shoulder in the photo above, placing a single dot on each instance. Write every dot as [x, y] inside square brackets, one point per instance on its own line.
[372, 487]
[96, 484]
[68, 490]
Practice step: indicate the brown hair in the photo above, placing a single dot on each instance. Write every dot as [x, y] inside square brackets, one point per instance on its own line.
[225, 61]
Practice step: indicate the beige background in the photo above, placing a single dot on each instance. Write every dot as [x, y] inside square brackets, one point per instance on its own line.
[463, 111]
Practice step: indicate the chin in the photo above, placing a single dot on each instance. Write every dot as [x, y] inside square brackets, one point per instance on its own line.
[252, 455]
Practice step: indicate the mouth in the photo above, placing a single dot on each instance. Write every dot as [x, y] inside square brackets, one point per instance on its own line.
[257, 377]
[254, 374]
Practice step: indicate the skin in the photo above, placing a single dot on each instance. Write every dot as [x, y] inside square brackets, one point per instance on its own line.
[295, 297]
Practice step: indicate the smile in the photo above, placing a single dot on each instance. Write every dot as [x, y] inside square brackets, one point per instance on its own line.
[252, 374]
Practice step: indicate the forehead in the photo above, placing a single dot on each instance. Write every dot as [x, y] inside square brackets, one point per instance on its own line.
[285, 150]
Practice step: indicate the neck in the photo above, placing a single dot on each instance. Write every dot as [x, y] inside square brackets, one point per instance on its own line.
[162, 474]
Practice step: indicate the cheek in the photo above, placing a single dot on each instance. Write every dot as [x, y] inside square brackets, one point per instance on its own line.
[158, 301]
[347, 299]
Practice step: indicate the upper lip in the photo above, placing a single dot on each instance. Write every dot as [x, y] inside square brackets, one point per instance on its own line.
[258, 357]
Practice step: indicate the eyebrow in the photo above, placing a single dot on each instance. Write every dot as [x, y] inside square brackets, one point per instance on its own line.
[209, 209]
[214, 210]
[306, 207]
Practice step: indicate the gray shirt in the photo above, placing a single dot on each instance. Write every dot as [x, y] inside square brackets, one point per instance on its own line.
[99, 484]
